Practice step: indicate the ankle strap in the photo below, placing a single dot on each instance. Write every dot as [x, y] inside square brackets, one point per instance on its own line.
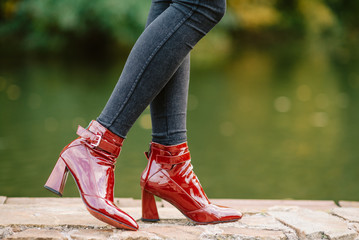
[97, 141]
[171, 160]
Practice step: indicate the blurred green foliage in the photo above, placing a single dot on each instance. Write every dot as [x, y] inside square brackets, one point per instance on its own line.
[52, 25]
[281, 75]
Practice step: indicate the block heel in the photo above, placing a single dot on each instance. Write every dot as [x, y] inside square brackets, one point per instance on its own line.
[56, 182]
[149, 208]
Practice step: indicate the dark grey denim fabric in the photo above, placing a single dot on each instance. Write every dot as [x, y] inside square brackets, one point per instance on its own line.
[157, 69]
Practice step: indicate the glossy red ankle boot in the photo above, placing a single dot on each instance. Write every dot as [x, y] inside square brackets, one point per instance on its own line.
[169, 176]
[91, 161]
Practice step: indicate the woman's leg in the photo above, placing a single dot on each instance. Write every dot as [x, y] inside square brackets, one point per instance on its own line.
[155, 58]
[169, 108]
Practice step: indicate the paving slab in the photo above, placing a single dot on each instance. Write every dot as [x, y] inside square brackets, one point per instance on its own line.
[350, 214]
[35, 233]
[46, 215]
[67, 218]
[4, 232]
[130, 202]
[138, 235]
[240, 230]
[248, 233]
[52, 215]
[355, 226]
[266, 222]
[170, 213]
[44, 201]
[89, 234]
[349, 204]
[261, 220]
[121, 202]
[258, 205]
[311, 224]
[174, 231]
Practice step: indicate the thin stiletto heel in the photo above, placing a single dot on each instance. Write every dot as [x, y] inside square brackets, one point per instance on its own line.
[149, 208]
[56, 182]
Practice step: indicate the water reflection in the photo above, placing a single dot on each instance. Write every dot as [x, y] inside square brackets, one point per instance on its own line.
[263, 124]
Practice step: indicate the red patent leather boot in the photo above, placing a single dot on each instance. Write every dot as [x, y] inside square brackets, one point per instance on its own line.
[169, 176]
[91, 161]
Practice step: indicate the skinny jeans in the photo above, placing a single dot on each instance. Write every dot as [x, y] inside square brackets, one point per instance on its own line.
[156, 72]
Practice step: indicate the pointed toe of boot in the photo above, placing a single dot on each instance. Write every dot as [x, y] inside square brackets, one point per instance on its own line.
[211, 214]
[226, 214]
[108, 212]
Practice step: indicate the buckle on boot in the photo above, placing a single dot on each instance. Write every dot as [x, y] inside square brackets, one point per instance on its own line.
[96, 141]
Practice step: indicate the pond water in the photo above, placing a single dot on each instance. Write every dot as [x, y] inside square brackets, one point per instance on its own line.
[277, 122]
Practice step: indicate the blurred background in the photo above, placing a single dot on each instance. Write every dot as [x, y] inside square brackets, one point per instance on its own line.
[273, 103]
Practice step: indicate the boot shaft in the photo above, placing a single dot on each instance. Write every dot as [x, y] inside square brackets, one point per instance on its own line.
[100, 138]
[169, 175]
[91, 159]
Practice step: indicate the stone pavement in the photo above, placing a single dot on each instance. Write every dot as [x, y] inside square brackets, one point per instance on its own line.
[67, 218]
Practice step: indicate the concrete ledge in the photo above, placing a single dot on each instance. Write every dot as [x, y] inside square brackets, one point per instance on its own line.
[2, 200]
[67, 218]
[348, 204]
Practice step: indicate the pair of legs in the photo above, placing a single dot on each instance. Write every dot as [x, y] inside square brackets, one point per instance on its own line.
[156, 73]
[157, 69]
